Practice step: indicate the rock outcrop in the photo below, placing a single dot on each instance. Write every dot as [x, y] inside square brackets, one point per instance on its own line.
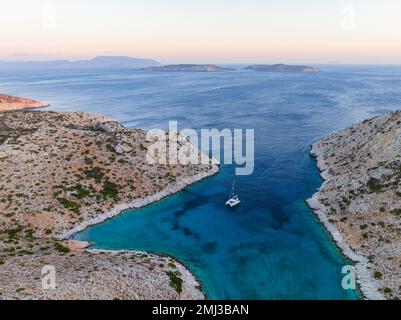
[14, 103]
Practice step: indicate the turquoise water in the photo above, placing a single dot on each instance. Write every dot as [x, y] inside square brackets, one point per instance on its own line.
[271, 246]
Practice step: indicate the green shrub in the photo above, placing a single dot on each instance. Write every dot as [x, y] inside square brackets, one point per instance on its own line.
[374, 185]
[94, 173]
[80, 191]
[12, 233]
[88, 161]
[378, 275]
[29, 233]
[68, 204]
[60, 248]
[110, 148]
[175, 281]
[110, 190]
[57, 193]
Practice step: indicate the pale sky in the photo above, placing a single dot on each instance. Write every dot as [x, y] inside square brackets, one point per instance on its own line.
[204, 31]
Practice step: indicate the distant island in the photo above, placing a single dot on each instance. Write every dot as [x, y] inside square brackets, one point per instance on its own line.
[122, 62]
[103, 62]
[8, 102]
[281, 68]
[189, 68]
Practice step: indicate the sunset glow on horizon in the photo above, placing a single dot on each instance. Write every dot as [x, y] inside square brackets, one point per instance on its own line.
[220, 31]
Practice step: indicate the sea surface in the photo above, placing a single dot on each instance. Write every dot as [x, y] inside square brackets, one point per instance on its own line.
[271, 246]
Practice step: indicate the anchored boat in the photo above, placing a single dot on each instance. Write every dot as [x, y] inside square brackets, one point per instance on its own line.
[234, 199]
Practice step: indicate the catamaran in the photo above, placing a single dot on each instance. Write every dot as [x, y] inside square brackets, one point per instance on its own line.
[234, 199]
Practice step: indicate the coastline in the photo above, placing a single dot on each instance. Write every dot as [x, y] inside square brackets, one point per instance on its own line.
[190, 279]
[139, 203]
[365, 280]
[188, 275]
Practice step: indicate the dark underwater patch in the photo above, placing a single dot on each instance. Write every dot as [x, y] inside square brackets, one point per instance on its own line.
[209, 247]
[179, 213]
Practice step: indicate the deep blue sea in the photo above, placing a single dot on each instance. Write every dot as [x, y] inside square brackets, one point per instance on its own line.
[271, 246]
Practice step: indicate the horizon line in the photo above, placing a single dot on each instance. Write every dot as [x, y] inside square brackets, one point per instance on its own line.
[5, 60]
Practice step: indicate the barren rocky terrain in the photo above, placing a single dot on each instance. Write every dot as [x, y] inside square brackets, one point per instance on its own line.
[61, 172]
[360, 200]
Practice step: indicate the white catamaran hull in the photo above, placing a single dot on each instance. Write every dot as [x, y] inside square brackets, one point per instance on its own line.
[232, 203]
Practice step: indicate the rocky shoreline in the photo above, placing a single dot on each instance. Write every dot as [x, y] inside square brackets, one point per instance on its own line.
[140, 203]
[364, 278]
[359, 202]
[193, 288]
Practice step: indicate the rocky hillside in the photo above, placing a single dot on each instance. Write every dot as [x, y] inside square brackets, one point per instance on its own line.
[61, 172]
[12, 103]
[360, 200]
